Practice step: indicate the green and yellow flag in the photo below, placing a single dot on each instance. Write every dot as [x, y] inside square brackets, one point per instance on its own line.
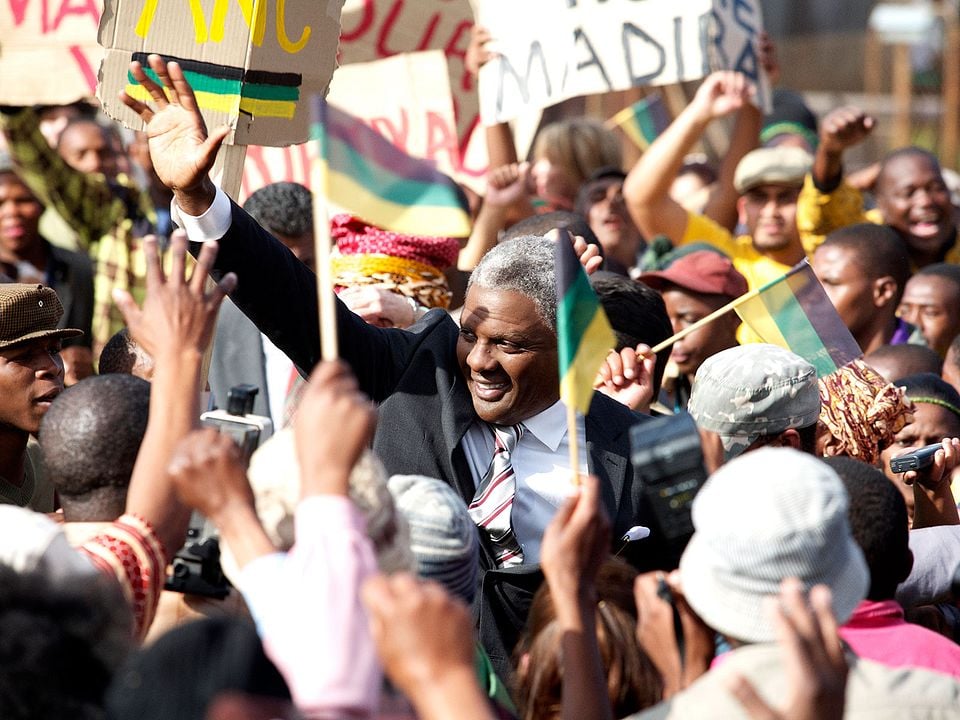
[795, 313]
[584, 335]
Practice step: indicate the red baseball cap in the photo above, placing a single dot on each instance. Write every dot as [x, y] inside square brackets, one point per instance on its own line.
[703, 271]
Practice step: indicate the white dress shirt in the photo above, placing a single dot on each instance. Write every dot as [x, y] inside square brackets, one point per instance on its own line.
[541, 462]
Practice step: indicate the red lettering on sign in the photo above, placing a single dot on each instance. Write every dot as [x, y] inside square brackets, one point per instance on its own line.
[83, 7]
[19, 10]
[391, 21]
[453, 49]
[398, 136]
[366, 21]
[85, 68]
[441, 138]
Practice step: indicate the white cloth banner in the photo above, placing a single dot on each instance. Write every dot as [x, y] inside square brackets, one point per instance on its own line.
[552, 50]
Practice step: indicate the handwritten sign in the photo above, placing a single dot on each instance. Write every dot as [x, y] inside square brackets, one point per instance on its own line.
[406, 98]
[552, 50]
[252, 63]
[378, 29]
[48, 50]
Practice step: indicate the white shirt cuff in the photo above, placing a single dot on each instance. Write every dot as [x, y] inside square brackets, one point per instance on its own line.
[212, 225]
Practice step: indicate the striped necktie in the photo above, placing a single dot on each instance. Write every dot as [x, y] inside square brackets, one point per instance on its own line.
[492, 504]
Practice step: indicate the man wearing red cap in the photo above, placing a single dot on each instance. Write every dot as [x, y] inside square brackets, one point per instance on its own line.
[694, 286]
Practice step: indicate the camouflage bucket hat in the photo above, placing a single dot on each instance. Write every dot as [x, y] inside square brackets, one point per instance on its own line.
[750, 391]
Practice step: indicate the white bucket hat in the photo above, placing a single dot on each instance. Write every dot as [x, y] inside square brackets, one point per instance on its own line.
[767, 515]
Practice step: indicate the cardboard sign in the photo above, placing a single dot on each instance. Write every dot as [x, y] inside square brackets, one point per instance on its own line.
[406, 98]
[377, 29]
[48, 51]
[252, 63]
[552, 50]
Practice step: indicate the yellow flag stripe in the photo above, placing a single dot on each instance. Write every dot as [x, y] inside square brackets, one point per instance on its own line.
[576, 386]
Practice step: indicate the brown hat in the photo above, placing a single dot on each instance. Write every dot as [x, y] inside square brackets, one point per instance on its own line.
[30, 312]
[772, 166]
[704, 271]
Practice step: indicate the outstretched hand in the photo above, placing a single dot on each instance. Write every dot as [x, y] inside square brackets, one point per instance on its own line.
[209, 474]
[627, 377]
[722, 93]
[845, 127]
[178, 313]
[182, 150]
[333, 425]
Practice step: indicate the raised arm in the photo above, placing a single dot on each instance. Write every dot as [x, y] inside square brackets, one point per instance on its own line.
[647, 187]
[174, 327]
[840, 130]
[276, 291]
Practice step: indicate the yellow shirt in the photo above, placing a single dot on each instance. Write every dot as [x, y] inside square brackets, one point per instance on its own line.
[819, 214]
[756, 268]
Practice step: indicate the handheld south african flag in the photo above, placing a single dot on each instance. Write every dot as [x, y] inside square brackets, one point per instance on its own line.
[584, 335]
[372, 178]
[795, 313]
[643, 121]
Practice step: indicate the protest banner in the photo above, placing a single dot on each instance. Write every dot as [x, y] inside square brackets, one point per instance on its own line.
[253, 64]
[48, 51]
[406, 98]
[377, 29]
[552, 50]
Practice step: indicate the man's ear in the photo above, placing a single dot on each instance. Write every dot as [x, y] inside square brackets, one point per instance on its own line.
[741, 210]
[884, 291]
[789, 438]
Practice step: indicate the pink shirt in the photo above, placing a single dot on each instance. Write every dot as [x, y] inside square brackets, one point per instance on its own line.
[877, 631]
[308, 611]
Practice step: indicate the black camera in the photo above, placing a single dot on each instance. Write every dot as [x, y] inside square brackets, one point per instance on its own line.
[666, 454]
[196, 567]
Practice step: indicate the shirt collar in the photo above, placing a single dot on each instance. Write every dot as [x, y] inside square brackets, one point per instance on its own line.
[549, 426]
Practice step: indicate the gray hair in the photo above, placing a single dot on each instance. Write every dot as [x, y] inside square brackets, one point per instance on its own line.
[524, 265]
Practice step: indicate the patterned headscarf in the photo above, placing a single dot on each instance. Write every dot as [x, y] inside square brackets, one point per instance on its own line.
[860, 412]
[409, 265]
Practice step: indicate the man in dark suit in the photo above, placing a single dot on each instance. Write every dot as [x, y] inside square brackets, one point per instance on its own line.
[441, 389]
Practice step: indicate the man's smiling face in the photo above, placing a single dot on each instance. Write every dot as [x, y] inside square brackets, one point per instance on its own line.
[508, 356]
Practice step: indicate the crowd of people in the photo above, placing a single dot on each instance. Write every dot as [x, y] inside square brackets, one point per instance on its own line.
[413, 537]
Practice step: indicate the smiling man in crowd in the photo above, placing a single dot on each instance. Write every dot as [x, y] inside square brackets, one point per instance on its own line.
[31, 376]
[476, 406]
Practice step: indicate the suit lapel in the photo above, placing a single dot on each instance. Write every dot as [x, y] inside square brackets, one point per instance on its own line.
[456, 418]
[608, 459]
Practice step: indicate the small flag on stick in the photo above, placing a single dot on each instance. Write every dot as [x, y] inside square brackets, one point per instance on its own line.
[643, 121]
[375, 180]
[584, 335]
[795, 313]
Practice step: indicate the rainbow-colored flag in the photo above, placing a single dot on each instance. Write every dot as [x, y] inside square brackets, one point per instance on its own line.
[795, 313]
[375, 180]
[228, 89]
[584, 335]
[643, 121]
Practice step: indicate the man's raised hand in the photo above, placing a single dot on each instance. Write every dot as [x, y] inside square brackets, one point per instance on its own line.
[178, 313]
[182, 150]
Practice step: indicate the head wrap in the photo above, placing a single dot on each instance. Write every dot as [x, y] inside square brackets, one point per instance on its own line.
[409, 265]
[860, 412]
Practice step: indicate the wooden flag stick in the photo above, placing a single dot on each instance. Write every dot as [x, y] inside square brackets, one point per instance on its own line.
[326, 303]
[705, 320]
[574, 439]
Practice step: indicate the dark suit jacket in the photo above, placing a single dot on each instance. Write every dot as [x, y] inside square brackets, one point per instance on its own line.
[425, 407]
[238, 359]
